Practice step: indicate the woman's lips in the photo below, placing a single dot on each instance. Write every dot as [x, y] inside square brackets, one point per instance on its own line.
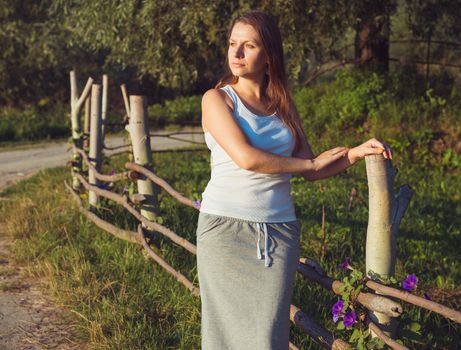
[237, 65]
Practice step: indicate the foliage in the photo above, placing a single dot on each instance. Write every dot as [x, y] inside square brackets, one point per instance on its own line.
[348, 102]
[434, 18]
[34, 122]
[159, 51]
[359, 106]
[182, 110]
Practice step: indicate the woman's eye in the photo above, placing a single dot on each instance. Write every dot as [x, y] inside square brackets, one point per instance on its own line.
[250, 46]
[232, 44]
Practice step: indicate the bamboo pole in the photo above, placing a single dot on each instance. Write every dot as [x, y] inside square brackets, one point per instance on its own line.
[385, 214]
[95, 142]
[142, 153]
[105, 101]
[371, 301]
[76, 103]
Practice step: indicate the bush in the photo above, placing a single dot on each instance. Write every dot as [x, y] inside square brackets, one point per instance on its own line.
[34, 122]
[182, 111]
[357, 106]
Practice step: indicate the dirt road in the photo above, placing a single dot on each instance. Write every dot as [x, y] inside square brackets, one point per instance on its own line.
[20, 163]
[30, 319]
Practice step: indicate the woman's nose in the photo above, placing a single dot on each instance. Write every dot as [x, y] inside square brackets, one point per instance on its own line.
[238, 51]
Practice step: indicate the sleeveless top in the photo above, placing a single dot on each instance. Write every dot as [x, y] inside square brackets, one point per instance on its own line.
[243, 194]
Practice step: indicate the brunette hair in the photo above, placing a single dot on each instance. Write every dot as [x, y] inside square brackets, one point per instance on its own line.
[275, 85]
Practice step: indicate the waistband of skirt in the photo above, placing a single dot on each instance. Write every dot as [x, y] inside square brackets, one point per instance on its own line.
[235, 219]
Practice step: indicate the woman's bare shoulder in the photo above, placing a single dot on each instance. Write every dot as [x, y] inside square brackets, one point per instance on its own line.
[213, 96]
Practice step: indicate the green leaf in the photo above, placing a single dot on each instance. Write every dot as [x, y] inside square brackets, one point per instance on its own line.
[355, 335]
[375, 343]
[415, 327]
[340, 325]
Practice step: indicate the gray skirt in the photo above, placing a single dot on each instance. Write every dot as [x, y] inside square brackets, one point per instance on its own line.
[246, 273]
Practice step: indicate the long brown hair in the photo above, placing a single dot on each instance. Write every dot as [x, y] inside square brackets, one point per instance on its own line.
[275, 85]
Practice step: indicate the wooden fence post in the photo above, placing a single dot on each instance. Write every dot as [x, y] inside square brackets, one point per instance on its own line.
[142, 153]
[105, 88]
[86, 129]
[385, 214]
[76, 104]
[95, 141]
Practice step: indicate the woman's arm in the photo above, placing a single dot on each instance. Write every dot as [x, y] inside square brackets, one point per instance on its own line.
[217, 118]
[354, 154]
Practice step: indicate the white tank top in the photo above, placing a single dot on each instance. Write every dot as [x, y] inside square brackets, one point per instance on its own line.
[239, 193]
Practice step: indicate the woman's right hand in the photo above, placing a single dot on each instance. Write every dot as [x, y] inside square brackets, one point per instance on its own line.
[328, 157]
[370, 147]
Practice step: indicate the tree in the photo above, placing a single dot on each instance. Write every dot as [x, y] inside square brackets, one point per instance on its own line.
[372, 32]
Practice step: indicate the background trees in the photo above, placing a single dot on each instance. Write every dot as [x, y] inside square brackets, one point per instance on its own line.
[165, 48]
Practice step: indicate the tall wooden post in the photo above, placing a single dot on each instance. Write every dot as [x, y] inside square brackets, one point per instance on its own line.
[142, 153]
[126, 102]
[105, 88]
[86, 129]
[86, 124]
[385, 214]
[95, 140]
[76, 103]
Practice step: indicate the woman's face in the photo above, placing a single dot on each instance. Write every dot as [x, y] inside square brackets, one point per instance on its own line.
[246, 54]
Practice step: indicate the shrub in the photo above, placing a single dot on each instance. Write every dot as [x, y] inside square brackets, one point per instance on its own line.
[182, 110]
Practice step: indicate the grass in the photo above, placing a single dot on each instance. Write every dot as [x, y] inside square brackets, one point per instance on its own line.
[125, 301]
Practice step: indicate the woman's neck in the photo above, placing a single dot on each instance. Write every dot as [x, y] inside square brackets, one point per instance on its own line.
[250, 88]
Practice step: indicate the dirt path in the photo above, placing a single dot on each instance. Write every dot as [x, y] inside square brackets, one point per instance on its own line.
[17, 164]
[30, 319]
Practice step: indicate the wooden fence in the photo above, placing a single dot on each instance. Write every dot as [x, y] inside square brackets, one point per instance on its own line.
[383, 304]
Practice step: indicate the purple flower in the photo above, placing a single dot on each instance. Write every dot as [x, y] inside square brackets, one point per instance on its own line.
[349, 319]
[112, 172]
[426, 296]
[125, 190]
[410, 282]
[346, 264]
[337, 310]
[197, 203]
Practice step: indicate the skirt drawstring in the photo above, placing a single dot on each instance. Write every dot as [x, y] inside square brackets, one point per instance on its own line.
[262, 227]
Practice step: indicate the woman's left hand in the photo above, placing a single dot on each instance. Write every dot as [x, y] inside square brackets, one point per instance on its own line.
[370, 147]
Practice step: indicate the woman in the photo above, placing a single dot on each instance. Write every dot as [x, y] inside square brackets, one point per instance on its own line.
[253, 131]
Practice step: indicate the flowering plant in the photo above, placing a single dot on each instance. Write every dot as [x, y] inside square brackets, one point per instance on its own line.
[348, 314]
